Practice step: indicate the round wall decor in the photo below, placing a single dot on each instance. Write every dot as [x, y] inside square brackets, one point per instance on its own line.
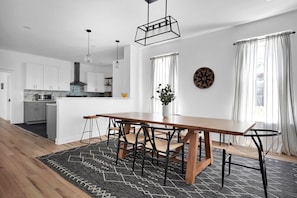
[203, 77]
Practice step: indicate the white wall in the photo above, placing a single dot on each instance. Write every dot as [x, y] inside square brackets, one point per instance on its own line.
[122, 81]
[118, 79]
[214, 50]
[14, 62]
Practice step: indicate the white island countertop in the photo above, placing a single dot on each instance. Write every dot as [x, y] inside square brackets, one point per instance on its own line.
[46, 101]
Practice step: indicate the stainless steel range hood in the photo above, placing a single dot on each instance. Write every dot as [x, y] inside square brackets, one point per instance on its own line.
[77, 75]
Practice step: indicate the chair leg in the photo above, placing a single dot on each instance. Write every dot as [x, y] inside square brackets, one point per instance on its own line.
[166, 169]
[223, 166]
[118, 150]
[108, 132]
[134, 155]
[82, 135]
[90, 130]
[229, 159]
[264, 176]
[143, 158]
[98, 130]
[200, 148]
[183, 160]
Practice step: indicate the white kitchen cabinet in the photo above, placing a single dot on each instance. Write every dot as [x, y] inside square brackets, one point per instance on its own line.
[95, 82]
[64, 78]
[51, 77]
[47, 77]
[34, 76]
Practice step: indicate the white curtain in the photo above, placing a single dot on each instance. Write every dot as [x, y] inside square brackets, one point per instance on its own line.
[245, 102]
[245, 61]
[164, 71]
[278, 108]
[279, 77]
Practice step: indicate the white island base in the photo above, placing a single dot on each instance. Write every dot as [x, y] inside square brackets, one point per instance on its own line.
[70, 112]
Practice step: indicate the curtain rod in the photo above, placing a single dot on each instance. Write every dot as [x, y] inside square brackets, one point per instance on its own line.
[164, 55]
[265, 36]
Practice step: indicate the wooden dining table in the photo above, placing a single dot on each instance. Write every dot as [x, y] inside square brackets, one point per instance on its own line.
[194, 125]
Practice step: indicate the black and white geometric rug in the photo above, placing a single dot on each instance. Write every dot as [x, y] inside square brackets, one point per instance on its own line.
[92, 169]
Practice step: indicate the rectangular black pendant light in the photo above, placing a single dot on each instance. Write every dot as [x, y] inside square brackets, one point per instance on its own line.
[160, 30]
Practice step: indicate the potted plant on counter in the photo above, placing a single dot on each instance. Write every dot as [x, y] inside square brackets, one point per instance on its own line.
[166, 96]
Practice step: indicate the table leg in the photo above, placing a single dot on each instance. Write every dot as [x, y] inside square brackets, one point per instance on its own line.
[192, 156]
[194, 168]
[208, 146]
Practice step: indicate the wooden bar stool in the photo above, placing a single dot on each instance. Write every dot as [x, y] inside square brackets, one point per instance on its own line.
[90, 119]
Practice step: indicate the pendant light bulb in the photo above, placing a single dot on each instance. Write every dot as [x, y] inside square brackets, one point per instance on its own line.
[88, 57]
[117, 64]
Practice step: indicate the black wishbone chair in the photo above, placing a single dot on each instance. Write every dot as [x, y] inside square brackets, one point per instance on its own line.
[260, 154]
[112, 129]
[134, 138]
[162, 149]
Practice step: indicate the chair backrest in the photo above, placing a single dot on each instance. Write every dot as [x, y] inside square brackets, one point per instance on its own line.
[258, 135]
[113, 123]
[152, 137]
[136, 128]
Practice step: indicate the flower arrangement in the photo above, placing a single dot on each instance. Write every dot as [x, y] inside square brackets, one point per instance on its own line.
[166, 94]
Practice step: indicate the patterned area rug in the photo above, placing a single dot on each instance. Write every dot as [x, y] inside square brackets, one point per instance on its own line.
[92, 169]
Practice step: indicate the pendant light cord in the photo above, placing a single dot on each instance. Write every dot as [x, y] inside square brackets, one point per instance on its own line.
[118, 51]
[117, 41]
[166, 9]
[148, 13]
[88, 31]
[88, 43]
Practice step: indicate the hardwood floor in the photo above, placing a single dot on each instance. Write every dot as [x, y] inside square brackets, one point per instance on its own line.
[21, 175]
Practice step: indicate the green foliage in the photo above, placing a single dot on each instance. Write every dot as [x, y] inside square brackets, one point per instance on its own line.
[166, 94]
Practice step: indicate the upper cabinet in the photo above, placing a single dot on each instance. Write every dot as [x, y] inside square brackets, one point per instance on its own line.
[95, 82]
[51, 77]
[64, 78]
[34, 76]
[47, 77]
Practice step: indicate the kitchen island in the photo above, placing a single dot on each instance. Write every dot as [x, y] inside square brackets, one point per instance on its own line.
[70, 112]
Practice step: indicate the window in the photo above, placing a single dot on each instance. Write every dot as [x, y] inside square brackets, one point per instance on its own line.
[259, 82]
[164, 72]
[263, 89]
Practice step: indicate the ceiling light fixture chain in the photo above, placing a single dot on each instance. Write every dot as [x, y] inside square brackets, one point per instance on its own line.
[88, 57]
[117, 64]
[160, 30]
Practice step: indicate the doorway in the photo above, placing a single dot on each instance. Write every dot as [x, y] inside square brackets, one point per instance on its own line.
[5, 95]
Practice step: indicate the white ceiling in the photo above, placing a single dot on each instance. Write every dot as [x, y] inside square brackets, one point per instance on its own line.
[56, 28]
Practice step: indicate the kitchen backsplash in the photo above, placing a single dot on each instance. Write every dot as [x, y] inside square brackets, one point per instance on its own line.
[75, 90]
[30, 94]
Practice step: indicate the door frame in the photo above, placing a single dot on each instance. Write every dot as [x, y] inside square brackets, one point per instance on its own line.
[9, 94]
